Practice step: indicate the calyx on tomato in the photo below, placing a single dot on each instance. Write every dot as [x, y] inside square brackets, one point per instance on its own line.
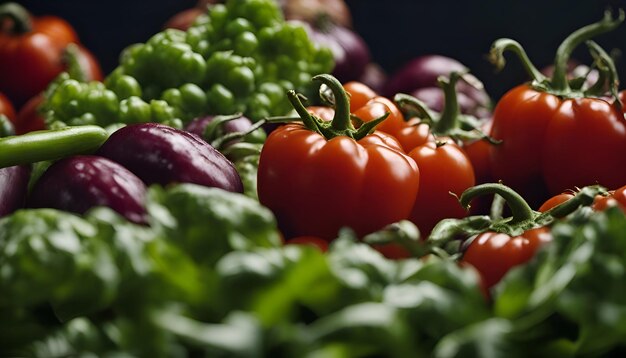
[450, 122]
[559, 84]
[522, 218]
[341, 124]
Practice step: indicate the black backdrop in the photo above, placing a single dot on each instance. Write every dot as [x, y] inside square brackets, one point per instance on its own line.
[395, 30]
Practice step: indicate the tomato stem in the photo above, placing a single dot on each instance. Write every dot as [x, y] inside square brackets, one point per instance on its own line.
[496, 57]
[559, 77]
[584, 197]
[520, 209]
[341, 119]
[20, 18]
[413, 107]
[341, 124]
[608, 73]
[451, 112]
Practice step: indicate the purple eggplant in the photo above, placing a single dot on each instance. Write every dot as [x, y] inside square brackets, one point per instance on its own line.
[213, 128]
[349, 50]
[423, 72]
[79, 183]
[159, 154]
[13, 187]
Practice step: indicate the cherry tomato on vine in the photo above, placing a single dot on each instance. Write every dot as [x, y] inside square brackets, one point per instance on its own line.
[494, 254]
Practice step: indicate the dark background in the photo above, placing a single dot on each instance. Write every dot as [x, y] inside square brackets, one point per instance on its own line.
[395, 30]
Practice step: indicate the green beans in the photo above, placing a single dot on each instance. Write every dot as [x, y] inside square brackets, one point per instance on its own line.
[50, 144]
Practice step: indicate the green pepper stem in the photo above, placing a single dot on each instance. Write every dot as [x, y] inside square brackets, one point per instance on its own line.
[496, 56]
[451, 111]
[563, 53]
[341, 119]
[20, 18]
[519, 207]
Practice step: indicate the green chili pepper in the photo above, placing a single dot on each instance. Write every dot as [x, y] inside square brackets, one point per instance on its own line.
[50, 144]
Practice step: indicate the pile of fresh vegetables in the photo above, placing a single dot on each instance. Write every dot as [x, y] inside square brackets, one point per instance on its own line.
[235, 187]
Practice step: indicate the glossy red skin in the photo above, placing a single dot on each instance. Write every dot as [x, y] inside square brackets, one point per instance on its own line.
[478, 152]
[79, 183]
[551, 145]
[520, 120]
[13, 187]
[6, 107]
[554, 201]
[444, 169]
[585, 144]
[409, 134]
[494, 254]
[360, 94]
[29, 61]
[316, 186]
[160, 154]
[601, 202]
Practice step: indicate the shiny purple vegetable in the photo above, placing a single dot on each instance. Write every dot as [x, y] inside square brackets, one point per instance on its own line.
[13, 187]
[198, 125]
[79, 183]
[159, 154]
[349, 50]
[422, 72]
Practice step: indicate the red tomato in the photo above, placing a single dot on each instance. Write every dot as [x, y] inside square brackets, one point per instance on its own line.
[29, 119]
[494, 254]
[520, 120]
[414, 134]
[360, 94]
[444, 169]
[555, 200]
[585, 145]
[478, 153]
[616, 197]
[31, 52]
[325, 113]
[316, 186]
[6, 107]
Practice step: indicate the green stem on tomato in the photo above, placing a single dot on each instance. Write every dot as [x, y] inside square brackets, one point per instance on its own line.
[413, 107]
[559, 81]
[451, 112]
[608, 72]
[584, 197]
[19, 16]
[496, 56]
[341, 120]
[341, 124]
[520, 209]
